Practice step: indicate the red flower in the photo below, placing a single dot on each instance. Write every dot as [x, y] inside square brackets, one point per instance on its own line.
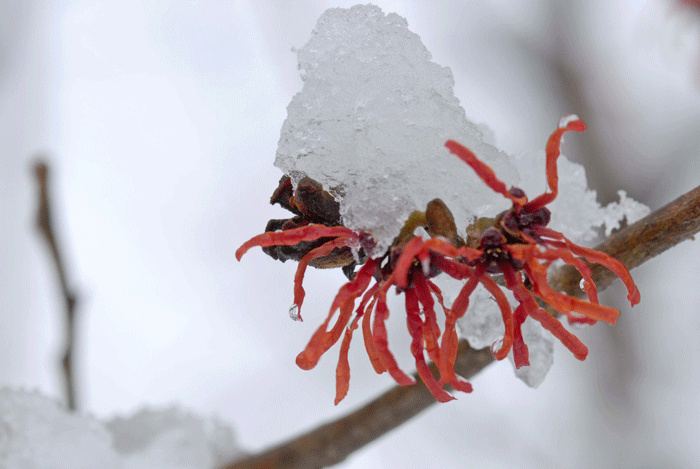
[517, 244]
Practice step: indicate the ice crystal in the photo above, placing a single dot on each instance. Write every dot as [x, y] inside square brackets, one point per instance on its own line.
[371, 121]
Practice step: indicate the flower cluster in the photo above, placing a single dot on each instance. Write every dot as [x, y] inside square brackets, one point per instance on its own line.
[516, 244]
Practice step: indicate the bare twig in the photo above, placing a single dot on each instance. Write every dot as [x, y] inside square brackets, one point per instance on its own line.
[333, 442]
[45, 227]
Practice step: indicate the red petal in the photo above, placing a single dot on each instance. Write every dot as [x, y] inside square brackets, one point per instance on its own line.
[405, 261]
[374, 357]
[431, 330]
[591, 255]
[553, 150]
[357, 286]
[320, 251]
[415, 328]
[565, 303]
[565, 255]
[381, 341]
[482, 170]
[506, 314]
[454, 269]
[548, 321]
[322, 340]
[295, 236]
[521, 354]
[569, 340]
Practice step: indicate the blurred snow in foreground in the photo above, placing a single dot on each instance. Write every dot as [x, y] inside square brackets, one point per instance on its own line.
[37, 432]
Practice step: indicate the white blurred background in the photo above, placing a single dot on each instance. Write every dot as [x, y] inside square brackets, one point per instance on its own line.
[160, 122]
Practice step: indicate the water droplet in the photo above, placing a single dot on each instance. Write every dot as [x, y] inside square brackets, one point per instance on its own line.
[294, 312]
[582, 285]
[496, 346]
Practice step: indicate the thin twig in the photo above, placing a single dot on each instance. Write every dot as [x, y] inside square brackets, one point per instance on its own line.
[45, 227]
[333, 442]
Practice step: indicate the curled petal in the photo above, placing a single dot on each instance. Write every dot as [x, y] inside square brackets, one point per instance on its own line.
[554, 253]
[372, 353]
[431, 330]
[506, 314]
[553, 151]
[565, 303]
[295, 236]
[322, 340]
[461, 303]
[357, 286]
[381, 340]
[320, 251]
[591, 255]
[454, 269]
[548, 321]
[405, 261]
[482, 170]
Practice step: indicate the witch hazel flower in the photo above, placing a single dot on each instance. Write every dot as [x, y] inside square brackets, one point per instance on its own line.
[516, 244]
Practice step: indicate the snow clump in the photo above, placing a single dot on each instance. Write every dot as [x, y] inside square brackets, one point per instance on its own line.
[37, 432]
[371, 123]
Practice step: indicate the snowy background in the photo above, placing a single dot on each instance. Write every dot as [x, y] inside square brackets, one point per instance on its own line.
[161, 123]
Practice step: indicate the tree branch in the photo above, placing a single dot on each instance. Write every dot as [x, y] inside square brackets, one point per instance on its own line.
[44, 225]
[333, 442]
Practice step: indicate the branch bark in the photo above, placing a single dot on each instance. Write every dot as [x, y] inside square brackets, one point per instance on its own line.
[333, 442]
[44, 225]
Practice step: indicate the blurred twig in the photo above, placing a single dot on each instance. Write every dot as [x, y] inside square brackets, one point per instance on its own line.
[45, 227]
[333, 442]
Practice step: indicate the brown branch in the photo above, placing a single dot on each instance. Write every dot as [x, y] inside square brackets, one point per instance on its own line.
[45, 227]
[333, 442]
[637, 243]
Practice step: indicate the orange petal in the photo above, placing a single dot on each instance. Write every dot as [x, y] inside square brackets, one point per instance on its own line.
[322, 340]
[342, 372]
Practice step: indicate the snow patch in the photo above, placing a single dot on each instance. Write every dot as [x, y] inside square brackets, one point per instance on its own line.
[38, 432]
[371, 122]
